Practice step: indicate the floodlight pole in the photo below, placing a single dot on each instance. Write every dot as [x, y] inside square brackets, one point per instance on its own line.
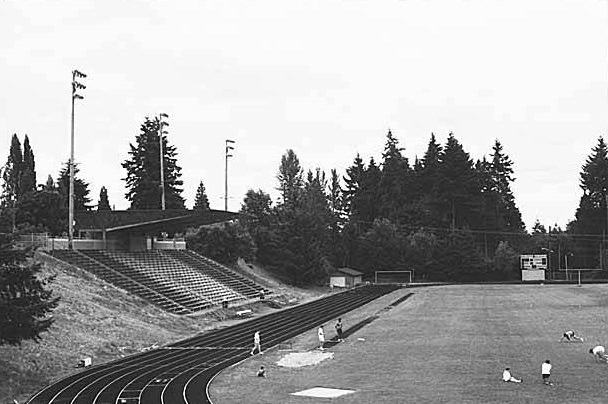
[229, 148]
[566, 258]
[75, 86]
[162, 123]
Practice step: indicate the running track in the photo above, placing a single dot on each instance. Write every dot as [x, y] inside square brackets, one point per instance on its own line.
[181, 372]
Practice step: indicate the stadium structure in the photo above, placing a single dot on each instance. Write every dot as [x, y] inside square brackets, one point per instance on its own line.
[125, 249]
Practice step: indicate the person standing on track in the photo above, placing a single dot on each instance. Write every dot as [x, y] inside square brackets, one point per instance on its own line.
[257, 344]
[321, 335]
[338, 327]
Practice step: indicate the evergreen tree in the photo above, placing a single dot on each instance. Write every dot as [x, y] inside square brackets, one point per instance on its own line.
[11, 174]
[258, 218]
[352, 180]
[43, 210]
[143, 170]
[290, 178]
[460, 259]
[364, 206]
[591, 213]
[459, 187]
[81, 189]
[338, 218]
[430, 173]
[201, 202]
[394, 179]
[50, 184]
[335, 196]
[382, 247]
[25, 303]
[501, 171]
[225, 243]
[28, 173]
[104, 202]
[427, 205]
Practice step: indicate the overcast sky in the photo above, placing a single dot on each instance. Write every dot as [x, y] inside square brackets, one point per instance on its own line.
[324, 78]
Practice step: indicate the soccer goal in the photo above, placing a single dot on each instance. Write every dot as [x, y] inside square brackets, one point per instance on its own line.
[401, 277]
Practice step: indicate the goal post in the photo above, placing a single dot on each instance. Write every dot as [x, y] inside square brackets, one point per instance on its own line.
[401, 277]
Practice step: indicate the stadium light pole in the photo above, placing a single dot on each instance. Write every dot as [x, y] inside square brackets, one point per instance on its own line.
[566, 258]
[229, 148]
[549, 252]
[161, 132]
[75, 96]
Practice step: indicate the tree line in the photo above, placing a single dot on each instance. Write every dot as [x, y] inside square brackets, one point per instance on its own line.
[445, 216]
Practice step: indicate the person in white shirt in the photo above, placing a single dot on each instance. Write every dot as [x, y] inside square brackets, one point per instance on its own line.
[599, 352]
[257, 344]
[571, 336]
[508, 377]
[321, 335]
[546, 372]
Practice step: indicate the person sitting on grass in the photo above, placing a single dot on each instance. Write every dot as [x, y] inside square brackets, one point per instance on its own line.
[508, 377]
[570, 336]
[261, 372]
[599, 353]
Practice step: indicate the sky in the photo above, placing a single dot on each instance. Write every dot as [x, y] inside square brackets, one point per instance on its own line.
[325, 78]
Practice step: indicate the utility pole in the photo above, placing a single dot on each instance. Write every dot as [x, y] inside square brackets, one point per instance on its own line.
[229, 148]
[161, 132]
[75, 87]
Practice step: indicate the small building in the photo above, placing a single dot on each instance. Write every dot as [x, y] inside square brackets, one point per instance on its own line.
[345, 278]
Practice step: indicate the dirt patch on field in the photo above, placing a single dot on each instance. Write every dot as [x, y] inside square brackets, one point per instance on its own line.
[300, 359]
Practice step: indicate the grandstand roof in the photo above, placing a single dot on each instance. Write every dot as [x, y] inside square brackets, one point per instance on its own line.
[149, 221]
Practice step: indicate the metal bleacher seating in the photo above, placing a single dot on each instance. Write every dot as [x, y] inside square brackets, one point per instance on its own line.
[124, 281]
[179, 281]
[221, 273]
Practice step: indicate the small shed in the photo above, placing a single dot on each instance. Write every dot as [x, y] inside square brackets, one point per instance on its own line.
[345, 277]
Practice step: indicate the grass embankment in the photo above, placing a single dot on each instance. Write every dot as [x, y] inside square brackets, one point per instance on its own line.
[97, 320]
[448, 344]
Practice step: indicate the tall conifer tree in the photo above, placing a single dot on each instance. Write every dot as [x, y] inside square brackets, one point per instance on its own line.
[201, 202]
[394, 179]
[290, 178]
[143, 170]
[104, 202]
[28, 173]
[81, 188]
[11, 173]
[459, 186]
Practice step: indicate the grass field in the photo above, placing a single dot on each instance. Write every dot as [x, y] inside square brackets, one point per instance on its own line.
[447, 344]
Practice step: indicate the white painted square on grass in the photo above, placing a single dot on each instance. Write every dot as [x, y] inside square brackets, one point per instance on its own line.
[322, 392]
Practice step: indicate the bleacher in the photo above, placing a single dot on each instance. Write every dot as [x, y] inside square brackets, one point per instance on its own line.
[220, 272]
[121, 280]
[178, 281]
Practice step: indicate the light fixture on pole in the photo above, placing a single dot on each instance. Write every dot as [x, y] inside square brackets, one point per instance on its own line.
[549, 252]
[75, 96]
[161, 132]
[229, 148]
